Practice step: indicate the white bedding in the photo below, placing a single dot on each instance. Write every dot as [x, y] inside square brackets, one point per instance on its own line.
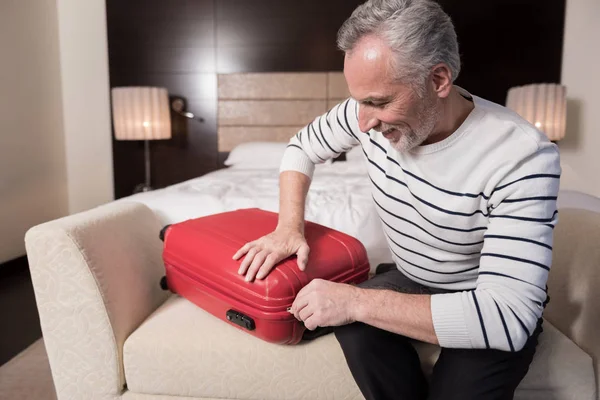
[339, 198]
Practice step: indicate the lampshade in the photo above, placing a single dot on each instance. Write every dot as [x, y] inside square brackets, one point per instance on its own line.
[544, 105]
[141, 113]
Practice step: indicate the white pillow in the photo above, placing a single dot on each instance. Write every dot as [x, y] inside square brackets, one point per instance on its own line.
[256, 155]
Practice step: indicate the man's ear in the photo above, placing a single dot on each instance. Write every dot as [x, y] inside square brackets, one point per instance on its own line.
[441, 80]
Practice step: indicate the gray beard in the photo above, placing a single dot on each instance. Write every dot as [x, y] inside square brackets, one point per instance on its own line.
[409, 138]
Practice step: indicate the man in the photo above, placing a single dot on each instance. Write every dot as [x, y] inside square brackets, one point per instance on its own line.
[466, 192]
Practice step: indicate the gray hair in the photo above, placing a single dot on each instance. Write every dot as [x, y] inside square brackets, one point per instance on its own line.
[419, 33]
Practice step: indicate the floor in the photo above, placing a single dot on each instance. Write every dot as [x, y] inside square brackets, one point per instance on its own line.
[18, 311]
[24, 369]
[27, 376]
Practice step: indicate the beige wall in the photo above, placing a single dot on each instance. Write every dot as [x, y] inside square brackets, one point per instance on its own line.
[86, 106]
[55, 136]
[33, 181]
[580, 150]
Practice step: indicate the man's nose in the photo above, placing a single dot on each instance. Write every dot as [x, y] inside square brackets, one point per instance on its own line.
[367, 119]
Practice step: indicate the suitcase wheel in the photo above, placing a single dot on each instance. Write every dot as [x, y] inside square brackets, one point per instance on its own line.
[161, 235]
[163, 283]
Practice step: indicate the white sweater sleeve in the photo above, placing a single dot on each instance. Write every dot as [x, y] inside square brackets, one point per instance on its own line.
[323, 139]
[511, 292]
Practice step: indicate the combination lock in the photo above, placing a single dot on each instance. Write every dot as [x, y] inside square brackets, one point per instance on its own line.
[240, 319]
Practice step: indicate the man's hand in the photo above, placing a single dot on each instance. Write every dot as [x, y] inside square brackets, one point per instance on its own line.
[324, 303]
[264, 253]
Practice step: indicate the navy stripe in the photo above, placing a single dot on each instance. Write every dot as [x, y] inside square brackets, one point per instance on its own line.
[523, 260]
[424, 280]
[547, 299]
[336, 108]
[487, 343]
[430, 234]
[325, 140]
[317, 136]
[520, 322]
[510, 277]
[327, 119]
[420, 241]
[435, 272]
[380, 147]
[422, 216]
[517, 239]
[429, 270]
[420, 199]
[423, 255]
[510, 343]
[550, 226]
[344, 129]
[310, 144]
[471, 195]
[406, 249]
[534, 176]
[397, 231]
[543, 198]
[346, 115]
[295, 145]
[526, 218]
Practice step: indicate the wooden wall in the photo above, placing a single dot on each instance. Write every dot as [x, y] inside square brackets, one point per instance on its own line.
[183, 44]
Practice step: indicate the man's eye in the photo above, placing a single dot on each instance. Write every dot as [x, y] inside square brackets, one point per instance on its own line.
[371, 104]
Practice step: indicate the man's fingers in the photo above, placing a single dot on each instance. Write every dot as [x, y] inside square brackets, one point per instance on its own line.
[258, 261]
[243, 250]
[303, 256]
[247, 261]
[305, 313]
[311, 323]
[268, 265]
[299, 304]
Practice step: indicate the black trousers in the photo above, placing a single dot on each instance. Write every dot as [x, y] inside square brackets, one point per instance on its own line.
[386, 366]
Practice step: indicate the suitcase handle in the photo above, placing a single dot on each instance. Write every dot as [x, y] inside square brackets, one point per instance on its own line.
[240, 319]
[163, 231]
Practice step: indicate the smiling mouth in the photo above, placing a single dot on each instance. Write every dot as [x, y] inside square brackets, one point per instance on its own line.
[390, 133]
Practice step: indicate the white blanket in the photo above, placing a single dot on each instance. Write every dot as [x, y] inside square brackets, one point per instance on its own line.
[339, 197]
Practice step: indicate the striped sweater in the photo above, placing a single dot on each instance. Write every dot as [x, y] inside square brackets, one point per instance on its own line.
[473, 214]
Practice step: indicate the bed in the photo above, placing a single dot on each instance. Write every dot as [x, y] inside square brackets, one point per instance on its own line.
[339, 197]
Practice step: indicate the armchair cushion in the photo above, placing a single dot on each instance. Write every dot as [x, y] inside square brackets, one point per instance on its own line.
[182, 350]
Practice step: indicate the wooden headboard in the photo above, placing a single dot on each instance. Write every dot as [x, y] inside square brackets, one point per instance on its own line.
[273, 106]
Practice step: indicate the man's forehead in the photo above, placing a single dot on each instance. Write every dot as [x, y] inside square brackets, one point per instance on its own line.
[370, 49]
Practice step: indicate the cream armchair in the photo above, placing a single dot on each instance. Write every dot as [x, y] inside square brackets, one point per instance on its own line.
[112, 333]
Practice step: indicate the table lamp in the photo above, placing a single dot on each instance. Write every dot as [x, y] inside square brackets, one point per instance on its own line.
[141, 113]
[542, 104]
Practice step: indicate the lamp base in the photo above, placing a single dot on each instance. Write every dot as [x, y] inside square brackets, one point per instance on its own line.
[142, 187]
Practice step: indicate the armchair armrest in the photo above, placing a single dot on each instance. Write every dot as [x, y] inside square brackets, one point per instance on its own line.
[574, 281]
[96, 279]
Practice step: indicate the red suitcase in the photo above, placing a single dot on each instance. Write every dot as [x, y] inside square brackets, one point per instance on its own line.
[199, 266]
